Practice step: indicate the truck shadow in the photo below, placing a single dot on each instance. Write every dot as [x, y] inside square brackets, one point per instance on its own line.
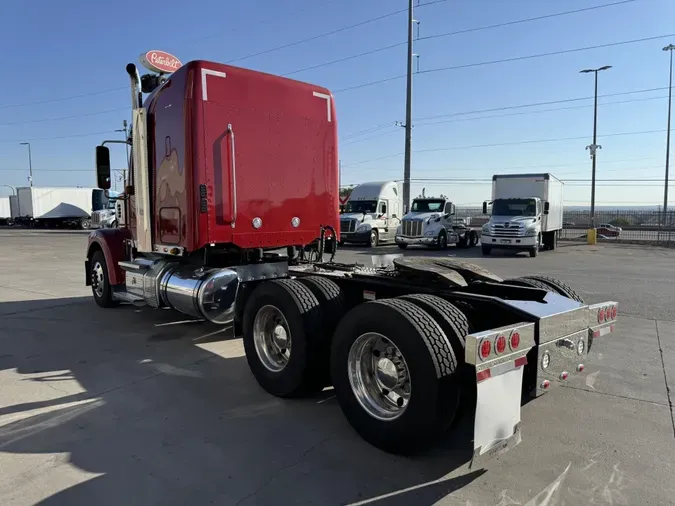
[423, 251]
[132, 406]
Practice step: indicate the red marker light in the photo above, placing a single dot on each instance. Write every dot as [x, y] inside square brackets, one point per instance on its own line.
[580, 367]
[601, 315]
[545, 384]
[564, 375]
[614, 311]
[500, 344]
[485, 349]
[515, 341]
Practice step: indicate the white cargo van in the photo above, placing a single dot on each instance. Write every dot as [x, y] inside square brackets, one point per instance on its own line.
[526, 214]
[372, 213]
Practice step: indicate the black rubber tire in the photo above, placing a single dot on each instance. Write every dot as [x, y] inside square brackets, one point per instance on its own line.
[535, 251]
[530, 283]
[106, 299]
[473, 239]
[402, 245]
[85, 223]
[456, 327]
[463, 242]
[430, 361]
[302, 311]
[558, 286]
[442, 240]
[451, 320]
[333, 307]
[486, 250]
[374, 240]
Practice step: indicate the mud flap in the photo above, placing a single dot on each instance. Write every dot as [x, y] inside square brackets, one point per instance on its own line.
[499, 357]
[497, 422]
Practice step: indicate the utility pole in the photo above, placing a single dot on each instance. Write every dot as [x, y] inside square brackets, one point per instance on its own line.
[126, 148]
[594, 147]
[30, 164]
[670, 49]
[408, 112]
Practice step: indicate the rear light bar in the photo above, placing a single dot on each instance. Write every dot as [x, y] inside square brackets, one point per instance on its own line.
[494, 352]
[602, 313]
[491, 344]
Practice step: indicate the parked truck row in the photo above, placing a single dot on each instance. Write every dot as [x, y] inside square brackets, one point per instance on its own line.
[408, 346]
[526, 213]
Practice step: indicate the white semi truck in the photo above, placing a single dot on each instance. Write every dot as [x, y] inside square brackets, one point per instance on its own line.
[372, 213]
[106, 217]
[527, 213]
[432, 222]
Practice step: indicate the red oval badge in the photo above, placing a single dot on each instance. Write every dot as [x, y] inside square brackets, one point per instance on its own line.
[160, 61]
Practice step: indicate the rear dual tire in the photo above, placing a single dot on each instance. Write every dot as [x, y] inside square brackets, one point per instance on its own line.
[399, 334]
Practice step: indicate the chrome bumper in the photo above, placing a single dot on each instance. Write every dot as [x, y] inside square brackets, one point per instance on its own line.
[425, 240]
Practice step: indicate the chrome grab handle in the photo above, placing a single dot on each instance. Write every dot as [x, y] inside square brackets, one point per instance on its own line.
[230, 131]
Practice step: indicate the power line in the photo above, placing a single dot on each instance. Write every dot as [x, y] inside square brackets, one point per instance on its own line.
[63, 99]
[65, 117]
[59, 137]
[526, 20]
[448, 34]
[514, 143]
[508, 60]
[507, 108]
[333, 32]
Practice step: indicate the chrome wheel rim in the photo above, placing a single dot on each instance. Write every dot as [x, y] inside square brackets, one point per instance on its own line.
[86, 224]
[272, 338]
[379, 376]
[373, 238]
[97, 279]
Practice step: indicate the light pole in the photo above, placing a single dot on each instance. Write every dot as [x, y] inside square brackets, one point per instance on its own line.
[670, 49]
[30, 163]
[594, 147]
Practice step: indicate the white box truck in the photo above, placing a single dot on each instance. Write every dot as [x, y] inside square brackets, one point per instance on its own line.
[59, 207]
[372, 214]
[526, 213]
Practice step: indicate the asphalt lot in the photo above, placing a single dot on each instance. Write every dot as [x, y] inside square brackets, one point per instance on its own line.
[123, 406]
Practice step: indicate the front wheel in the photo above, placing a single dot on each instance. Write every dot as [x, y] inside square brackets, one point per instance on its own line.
[442, 240]
[535, 250]
[85, 224]
[374, 239]
[100, 282]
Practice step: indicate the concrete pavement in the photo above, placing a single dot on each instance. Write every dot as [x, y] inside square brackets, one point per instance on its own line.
[126, 406]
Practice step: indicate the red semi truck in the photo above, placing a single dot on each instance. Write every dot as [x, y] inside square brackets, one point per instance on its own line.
[229, 167]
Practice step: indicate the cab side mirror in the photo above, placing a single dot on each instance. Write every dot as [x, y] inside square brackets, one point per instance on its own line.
[485, 208]
[103, 167]
[546, 207]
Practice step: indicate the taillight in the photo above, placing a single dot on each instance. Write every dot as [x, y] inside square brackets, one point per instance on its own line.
[514, 342]
[614, 311]
[500, 345]
[601, 315]
[485, 349]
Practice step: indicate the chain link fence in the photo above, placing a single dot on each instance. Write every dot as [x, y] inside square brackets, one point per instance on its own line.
[618, 225]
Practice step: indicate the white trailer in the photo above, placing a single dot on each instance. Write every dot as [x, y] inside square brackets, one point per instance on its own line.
[527, 213]
[372, 213]
[5, 211]
[57, 206]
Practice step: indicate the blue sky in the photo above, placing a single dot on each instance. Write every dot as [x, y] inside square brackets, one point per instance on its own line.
[68, 48]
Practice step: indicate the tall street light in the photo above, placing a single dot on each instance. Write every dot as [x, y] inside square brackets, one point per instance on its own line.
[594, 147]
[30, 163]
[670, 49]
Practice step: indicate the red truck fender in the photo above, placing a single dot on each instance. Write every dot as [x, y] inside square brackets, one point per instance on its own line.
[111, 241]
